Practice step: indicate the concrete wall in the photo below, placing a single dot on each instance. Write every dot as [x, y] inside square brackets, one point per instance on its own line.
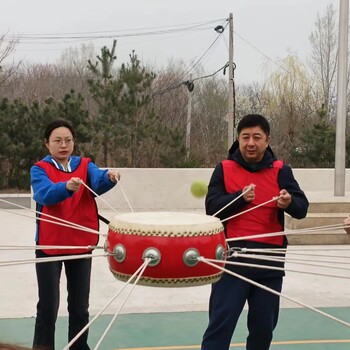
[156, 189]
[169, 189]
[319, 179]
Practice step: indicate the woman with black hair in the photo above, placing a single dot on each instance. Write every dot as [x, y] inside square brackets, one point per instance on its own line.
[58, 191]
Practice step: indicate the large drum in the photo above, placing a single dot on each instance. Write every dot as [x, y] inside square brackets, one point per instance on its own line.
[172, 240]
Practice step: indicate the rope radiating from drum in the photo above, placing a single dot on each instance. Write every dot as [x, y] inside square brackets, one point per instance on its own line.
[50, 259]
[233, 200]
[252, 208]
[47, 247]
[125, 196]
[204, 260]
[104, 307]
[101, 198]
[298, 251]
[97, 196]
[312, 249]
[305, 262]
[308, 231]
[294, 261]
[276, 268]
[58, 221]
[147, 261]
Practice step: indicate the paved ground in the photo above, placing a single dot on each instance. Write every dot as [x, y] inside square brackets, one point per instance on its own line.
[298, 329]
[170, 318]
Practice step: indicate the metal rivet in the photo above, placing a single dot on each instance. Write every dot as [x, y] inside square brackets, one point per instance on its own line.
[190, 257]
[119, 253]
[220, 252]
[153, 254]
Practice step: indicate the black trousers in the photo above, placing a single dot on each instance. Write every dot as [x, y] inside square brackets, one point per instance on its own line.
[78, 273]
[227, 299]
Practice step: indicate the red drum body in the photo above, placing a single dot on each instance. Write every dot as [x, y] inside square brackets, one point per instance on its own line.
[173, 241]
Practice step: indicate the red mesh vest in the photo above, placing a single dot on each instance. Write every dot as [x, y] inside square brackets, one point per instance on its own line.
[80, 208]
[263, 219]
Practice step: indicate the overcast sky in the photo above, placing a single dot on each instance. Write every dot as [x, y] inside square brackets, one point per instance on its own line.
[265, 30]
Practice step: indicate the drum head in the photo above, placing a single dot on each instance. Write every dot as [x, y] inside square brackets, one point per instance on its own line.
[166, 223]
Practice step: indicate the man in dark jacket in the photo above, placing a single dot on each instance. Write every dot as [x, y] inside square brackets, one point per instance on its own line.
[253, 175]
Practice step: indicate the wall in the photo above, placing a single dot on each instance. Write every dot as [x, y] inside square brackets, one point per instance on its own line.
[169, 189]
[156, 189]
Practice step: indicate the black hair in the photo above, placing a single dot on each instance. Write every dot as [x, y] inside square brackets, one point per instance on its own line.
[251, 120]
[58, 123]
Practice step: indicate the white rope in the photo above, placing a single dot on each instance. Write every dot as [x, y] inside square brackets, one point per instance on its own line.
[49, 259]
[276, 268]
[147, 261]
[260, 235]
[100, 197]
[47, 247]
[104, 307]
[252, 208]
[321, 228]
[263, 250]
[281, 233]
[274, 292]
[267, 251]
[321, 248]
[233, 200]
[294, 261]
[303, 231]
[59, 221]
[299, 251]
[126, 198]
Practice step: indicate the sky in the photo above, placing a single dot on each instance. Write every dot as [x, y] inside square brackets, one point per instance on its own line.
[264, 30]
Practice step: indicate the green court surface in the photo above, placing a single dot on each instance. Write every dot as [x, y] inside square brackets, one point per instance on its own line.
[298, 329]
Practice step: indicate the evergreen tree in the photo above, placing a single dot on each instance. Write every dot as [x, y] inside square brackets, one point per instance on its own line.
[317, 144]
[108, 125]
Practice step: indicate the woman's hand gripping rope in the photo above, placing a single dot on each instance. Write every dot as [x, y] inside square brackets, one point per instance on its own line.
[113, 175]
[74, 183]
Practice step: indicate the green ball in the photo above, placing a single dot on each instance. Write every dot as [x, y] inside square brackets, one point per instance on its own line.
[199, 189]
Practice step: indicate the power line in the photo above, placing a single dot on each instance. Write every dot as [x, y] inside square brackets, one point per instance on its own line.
[188, 83]
[206, 51]
[261, 53]
[199, 26]
[192, 66]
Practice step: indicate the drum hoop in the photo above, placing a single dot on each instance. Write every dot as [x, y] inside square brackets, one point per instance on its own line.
[158, 233]
[173, 282]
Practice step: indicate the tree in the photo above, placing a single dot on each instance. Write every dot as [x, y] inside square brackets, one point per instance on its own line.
[289, 104]
[22, 136]
[170, 104]
[317, 148]
[249, 99]
[324, 60]
[74, 63]
[20, 142]
[124, 111]
[135, 95]
[6, 71]
[209, 131]
[105, 90]
[71, 108]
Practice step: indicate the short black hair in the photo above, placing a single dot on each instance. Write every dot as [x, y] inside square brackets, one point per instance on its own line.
[251, 120]
[58, 123]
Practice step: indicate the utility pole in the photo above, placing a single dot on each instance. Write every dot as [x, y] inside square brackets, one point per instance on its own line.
[339, 174]
[231, 117]
[189, 119]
